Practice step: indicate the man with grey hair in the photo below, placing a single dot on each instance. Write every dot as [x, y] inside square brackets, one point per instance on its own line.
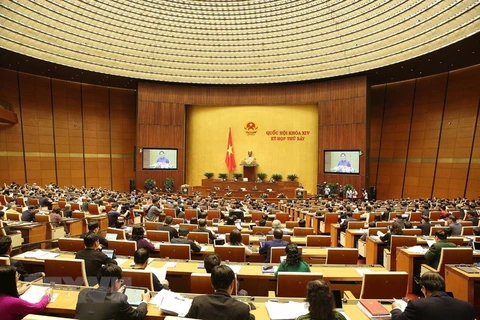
[277, 224]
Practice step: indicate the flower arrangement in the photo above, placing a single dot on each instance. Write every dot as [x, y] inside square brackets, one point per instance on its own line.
[222, 176]
[237, 176]
[184, 188]
[277, 177]
[292, 177]
[299, 193]
[212, 194]
[261, 176]
[208, 174]
[263, 195]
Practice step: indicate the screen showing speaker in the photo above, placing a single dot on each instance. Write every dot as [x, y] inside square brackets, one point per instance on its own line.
[342, 161]
[159, 159]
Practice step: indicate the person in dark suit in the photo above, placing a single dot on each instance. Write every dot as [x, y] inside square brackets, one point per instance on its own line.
[140, 258]
[276, 242]
[6, 249]
[472, 216]
[454, 225]
[167, 227]
[211, 261]
[238, 212]
[202, 227]
[433, 254]
[436, 305]
[182, 239]
[107, 301]
[94, 259]
[425, 226]
[344, 224]
[94, 228]
[220, 305]
[29, 214]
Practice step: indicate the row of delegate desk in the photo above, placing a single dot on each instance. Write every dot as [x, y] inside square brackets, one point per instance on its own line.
[65, 304]
[250, 276]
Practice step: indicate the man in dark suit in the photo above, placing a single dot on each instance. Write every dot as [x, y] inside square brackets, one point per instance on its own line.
[472, 216]
[94, 228]
[202, 227]
[94, 259]
[436, 305]
[433, 254]
[220, 305]
[182, 239]
[167, 227]
[454, 225]
[276, 242]
[425, 226]
[6, 249]
[238, 212]
[106, 301]
[29, 214]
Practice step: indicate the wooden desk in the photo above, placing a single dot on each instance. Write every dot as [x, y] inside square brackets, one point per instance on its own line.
[334, 233]
[299, 241]
[374, 250]
[411, 262]
[32, 232]
[464, 286]
[65, 304]
[352, 236]
[75, 226]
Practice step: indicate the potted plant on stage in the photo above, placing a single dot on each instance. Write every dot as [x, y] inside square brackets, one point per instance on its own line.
[222, 176]
[168, 185]
[277, 177]
[150, 184]
[237, 176]
[292, 177]
[208, 175]
[261, 176]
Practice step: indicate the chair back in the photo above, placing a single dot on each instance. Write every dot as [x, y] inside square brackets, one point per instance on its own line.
[294, 284]
[4, 261]
[75, 206]
[342, 256]
[467, 231]
[399, 241]
[412, 232]
[152, 225]
[415, 216]
[188, 226]
[245, 238]
[318, 241]
[226, 229]
[175, 251]
[231, 253]
[158, 235]
[93, 208]
[256, 215]
[282, 216]
[434, 215]
[138, 278]
[302, 231]
[330, 218]
[200, 237]
[355, 225]
[457, 240]
[190, 213]
[373, 231]
[257, 230]
[458, 255]
[13, 216]
[213, 214]
[123, 247]
[119, 232]
[465, 223]
[291, 224]
[66, 271]
[177, 221]
[285, 237]
[201, 283]
[277, 252]
[169, 212]
[434, 229]
[384, 285]
[71, 244]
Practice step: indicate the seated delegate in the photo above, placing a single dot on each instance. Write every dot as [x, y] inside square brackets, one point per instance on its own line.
[293, 262]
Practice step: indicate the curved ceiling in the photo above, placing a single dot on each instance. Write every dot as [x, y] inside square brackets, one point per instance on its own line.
[233, 42]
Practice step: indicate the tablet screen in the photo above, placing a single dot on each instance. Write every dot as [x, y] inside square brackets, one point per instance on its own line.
[134, 295]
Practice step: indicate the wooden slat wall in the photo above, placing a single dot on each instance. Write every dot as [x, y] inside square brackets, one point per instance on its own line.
[429, 136]
[341, 109]
[68, 133]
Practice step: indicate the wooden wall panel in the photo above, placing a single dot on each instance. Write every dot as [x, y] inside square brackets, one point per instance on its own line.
[395, 137]
[35, 95]
[342, 108]
[377, 103]
[424, 135]
[65, 132]
[440, 139]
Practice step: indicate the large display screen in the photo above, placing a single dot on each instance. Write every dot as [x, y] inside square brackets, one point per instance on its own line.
[342, 161]
[159, 159]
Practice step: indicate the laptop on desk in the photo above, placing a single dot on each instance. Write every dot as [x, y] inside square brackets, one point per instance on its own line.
[476, 247]
[111, 236]
[109, 253]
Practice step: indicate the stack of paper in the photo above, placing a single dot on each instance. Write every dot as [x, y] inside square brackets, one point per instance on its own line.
[40, 254]
[235, 267]
[417, 249]
[286, 311]
[172, 303]
[34, 294]
[161, 273]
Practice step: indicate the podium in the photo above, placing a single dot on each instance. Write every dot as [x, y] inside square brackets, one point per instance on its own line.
[249, 172]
